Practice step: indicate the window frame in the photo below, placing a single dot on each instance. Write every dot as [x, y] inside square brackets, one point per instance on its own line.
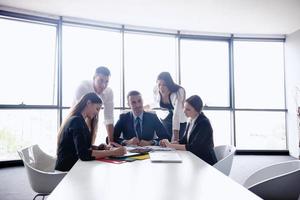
[58, 22]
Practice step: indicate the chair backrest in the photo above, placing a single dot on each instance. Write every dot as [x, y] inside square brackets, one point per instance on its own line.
[40, 169]
[37, 159]
[278, 181]
[224, 154]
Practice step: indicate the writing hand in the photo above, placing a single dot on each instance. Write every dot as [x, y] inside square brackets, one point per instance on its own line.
[119, 151]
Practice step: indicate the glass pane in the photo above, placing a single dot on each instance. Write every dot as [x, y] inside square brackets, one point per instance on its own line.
[21, 128]
[145, 57]
[101, 135]
[220, 122]
[258, 130]
[205, 70]
[27, 63]
[86, 49]
[259, 74]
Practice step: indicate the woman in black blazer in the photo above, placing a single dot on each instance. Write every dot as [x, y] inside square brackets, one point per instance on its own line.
[198, 137]
[75, 138]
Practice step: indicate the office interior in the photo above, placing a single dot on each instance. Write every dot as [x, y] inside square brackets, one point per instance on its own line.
[241, 57]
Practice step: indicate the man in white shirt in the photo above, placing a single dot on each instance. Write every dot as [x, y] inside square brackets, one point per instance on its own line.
[99, 86]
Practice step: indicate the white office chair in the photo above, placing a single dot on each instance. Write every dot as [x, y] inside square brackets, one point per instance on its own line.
[278, 181]
[40, 170]
[224, 154]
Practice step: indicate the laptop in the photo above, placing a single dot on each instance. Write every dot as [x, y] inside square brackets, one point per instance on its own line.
[165, 156]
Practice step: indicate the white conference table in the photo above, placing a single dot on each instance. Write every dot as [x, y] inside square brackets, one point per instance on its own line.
[193, 179]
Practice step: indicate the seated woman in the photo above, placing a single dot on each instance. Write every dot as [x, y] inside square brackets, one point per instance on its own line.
[198, 137]
[75, 138]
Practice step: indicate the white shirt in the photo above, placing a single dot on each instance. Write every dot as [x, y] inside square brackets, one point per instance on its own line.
[106, 96]
[177, 100]
[191, 125]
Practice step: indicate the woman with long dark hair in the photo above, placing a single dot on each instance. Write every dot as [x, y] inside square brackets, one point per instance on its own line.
[198, 137]
[75, 136]
[171, 96]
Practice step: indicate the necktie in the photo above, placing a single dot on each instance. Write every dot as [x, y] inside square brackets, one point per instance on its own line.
[138, 128]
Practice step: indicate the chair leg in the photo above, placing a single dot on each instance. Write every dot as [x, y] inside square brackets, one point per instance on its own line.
[40, 195]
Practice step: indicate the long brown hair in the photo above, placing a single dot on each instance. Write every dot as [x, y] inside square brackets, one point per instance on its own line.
[171, 85]
[78, 108]
[167, 78]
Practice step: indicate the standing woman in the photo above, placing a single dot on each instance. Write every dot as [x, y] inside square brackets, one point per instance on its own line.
[171, 96]
[75, 138]
[198, 137]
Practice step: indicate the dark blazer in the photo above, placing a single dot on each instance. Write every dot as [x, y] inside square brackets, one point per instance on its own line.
[124, 128]
[74, 144]
[201, 141]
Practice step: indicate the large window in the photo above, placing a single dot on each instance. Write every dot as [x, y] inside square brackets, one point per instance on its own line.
[259, 84]
[240, 82]
[28, 56]
[28, 77]
[220, 122]
[145, 57]
[259, 75]
[20, 128]
[85, 49]
[258, 130]
[205, 70]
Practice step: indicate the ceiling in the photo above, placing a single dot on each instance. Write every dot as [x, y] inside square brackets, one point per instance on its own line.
[213, 16]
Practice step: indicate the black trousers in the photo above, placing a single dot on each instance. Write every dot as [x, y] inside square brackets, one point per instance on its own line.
[168, 124]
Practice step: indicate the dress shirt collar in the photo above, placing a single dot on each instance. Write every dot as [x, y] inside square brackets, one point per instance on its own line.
[140, 116]
[192, 121]
[191, 125]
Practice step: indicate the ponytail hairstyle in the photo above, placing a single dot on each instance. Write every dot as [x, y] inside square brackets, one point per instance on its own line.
[196, 102]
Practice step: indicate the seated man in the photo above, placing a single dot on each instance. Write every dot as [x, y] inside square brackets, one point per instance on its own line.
[138, 127]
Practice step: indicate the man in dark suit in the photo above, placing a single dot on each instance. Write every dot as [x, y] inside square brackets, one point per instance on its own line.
[138, 127]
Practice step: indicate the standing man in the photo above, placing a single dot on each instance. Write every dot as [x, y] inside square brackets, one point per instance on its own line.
[138, 127]
[99, 86]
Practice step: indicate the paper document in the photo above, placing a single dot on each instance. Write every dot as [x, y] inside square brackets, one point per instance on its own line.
[146, 149]
[159, 148]
[165, 156]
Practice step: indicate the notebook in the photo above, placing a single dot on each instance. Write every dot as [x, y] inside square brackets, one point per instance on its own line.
[134, 151]
[165, 156]
[128, 154]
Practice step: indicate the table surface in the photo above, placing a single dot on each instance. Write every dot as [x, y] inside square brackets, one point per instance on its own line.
[192, 179]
